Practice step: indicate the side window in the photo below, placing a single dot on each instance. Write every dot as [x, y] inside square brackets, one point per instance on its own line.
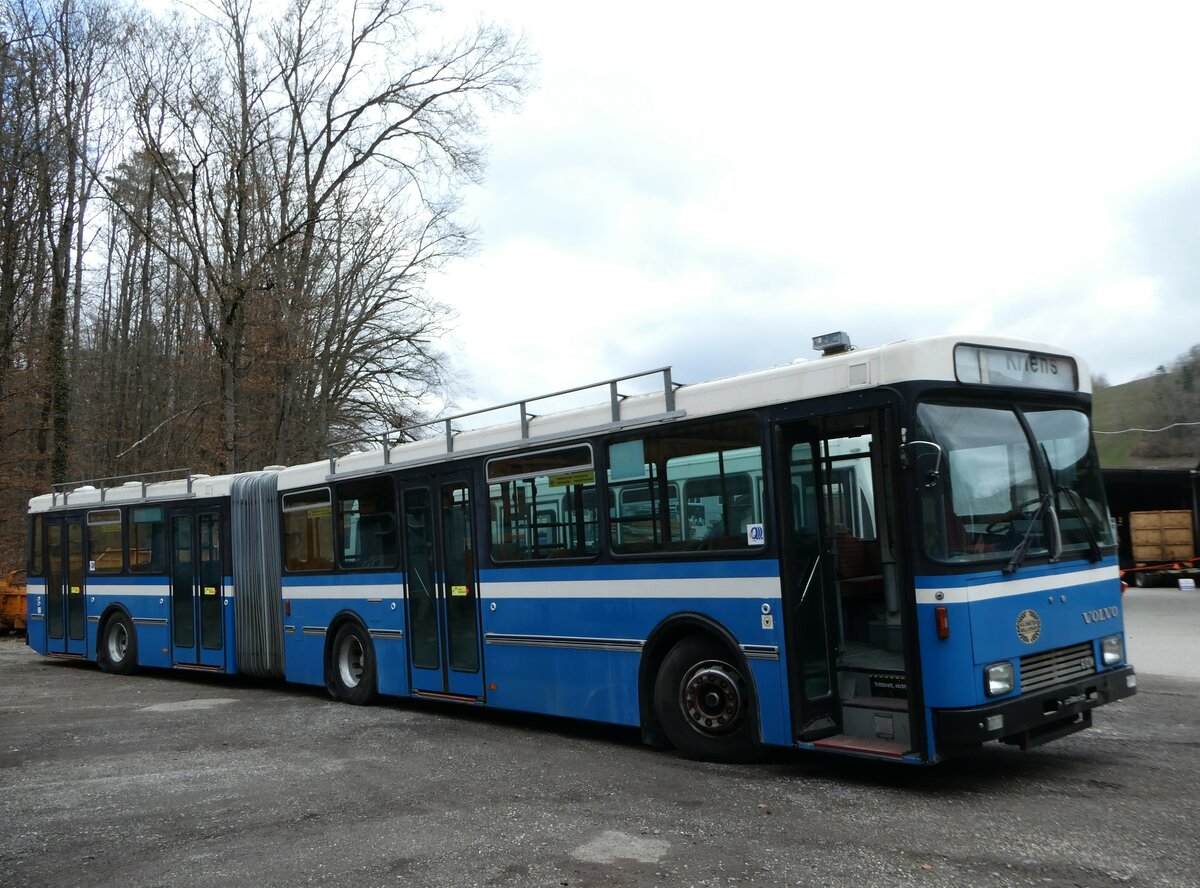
[35, 546]
[849, 486]
[308, 530]
[367, 518]
[694, 488]
[543, 505]
[636, 510]
[147, 540]
[105, 541]
[718, 505]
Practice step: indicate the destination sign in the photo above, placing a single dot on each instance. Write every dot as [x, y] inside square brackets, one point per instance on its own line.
[1005, 366]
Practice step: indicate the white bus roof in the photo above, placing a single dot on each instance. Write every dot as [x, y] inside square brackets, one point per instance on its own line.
[100, 496]
[929, 359]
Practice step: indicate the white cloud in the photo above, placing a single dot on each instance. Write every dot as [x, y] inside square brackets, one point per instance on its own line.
[695, 185]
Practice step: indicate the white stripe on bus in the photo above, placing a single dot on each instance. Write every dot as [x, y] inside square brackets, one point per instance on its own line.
[1007, 588]
[761, 588]
[343, 593]
[139, 591]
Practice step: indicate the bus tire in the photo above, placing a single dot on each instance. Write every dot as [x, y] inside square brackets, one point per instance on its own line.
[704, 704]
[352, 665]
[117, 650]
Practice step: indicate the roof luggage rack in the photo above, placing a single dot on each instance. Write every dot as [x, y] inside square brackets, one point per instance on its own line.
[395, 436]
[103, 485]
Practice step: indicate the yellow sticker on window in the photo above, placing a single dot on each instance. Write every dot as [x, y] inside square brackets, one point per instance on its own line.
[570, 479]
[74, 590]
[210, 590]
[459, 591]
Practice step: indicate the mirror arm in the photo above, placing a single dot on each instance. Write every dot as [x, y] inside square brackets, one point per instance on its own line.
[932, 479]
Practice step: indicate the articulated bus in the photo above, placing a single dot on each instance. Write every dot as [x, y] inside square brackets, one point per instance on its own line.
[899, 553]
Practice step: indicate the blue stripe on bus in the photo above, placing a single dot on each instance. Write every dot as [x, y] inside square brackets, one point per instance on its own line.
[957, 581]
[759, 567]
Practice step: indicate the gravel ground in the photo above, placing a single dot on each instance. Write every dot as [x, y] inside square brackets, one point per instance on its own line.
[168, 779]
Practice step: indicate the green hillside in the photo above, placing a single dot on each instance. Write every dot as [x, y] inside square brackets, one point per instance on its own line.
[1150, 403]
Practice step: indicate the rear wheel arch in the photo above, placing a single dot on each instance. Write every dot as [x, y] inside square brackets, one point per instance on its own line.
[116, 641]
[346, 633]
[661, 641]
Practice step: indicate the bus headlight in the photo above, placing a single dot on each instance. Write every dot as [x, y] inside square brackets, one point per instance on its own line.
[998, 679]
[1112, 650]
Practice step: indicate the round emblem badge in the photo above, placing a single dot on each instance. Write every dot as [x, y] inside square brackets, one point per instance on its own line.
[1029, 626]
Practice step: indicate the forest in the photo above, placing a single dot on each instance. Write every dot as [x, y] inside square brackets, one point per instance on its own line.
[217, 225]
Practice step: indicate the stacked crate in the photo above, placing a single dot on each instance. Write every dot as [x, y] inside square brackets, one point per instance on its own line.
[1161, 537]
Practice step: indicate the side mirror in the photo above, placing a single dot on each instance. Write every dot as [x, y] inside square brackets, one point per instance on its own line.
[933, 475]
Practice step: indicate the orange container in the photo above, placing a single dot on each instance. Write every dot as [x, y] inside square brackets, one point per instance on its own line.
[12, 602]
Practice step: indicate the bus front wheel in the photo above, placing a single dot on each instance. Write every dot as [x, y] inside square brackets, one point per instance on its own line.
[704, 704]
[352, 665]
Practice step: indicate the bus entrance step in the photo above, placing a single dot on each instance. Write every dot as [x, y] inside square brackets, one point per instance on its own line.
[869, 745]
[886, 704]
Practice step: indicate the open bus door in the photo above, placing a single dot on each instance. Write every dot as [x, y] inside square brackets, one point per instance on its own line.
[807, 572]
[841, 595]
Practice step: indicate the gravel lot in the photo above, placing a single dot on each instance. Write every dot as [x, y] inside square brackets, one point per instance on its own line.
[166, 779]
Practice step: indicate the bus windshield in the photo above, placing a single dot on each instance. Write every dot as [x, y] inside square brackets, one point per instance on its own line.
[1066, 446]
[987, 500]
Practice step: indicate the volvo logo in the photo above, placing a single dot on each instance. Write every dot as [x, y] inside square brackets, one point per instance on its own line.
[1029, 626]
[1100, 614]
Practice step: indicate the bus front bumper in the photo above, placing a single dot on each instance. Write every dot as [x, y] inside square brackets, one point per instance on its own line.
[1033, 719]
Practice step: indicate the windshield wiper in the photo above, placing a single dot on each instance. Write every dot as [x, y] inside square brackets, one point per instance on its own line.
[1018, 555]
[1077, 503]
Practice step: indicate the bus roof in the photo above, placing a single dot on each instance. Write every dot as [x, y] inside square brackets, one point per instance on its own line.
[930, 359]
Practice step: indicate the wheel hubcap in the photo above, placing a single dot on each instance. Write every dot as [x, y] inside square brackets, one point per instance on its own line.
[118, 642]
[350, 662]
[713, 696]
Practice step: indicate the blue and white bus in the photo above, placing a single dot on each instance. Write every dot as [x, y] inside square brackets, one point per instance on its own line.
[898, 552]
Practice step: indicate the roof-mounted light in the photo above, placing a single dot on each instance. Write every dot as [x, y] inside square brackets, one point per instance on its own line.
[832, 343]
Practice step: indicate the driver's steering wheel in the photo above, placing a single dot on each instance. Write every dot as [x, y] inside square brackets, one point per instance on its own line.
[1004, 524]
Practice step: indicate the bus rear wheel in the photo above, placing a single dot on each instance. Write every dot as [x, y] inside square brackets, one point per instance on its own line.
[352, 665]
[704, 704]
[117, 650]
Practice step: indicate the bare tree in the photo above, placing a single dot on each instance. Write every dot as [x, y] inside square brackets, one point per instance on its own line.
[276, 136]
[250, 281]
[54, 123]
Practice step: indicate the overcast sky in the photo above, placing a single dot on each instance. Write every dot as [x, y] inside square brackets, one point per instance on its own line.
[709, 186]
